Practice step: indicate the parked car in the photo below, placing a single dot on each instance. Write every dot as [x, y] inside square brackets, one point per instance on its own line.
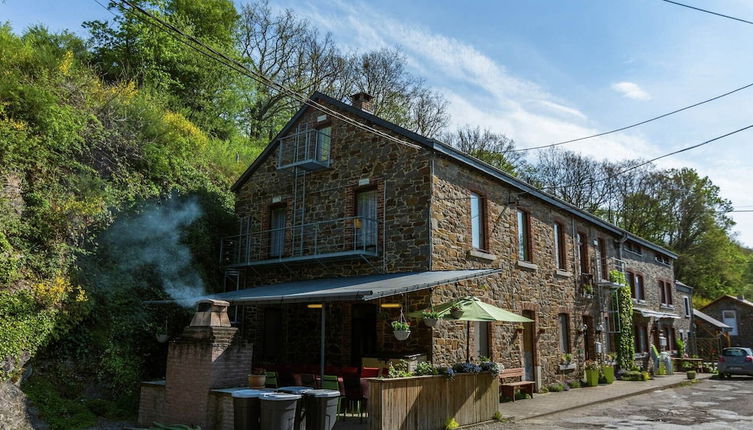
[736, 361]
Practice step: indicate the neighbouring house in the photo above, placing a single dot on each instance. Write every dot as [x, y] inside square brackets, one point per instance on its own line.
[711, 335]
[358, 228]
[684, 326]
[737, 313]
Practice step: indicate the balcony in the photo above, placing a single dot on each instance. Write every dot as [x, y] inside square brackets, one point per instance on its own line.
[341, 238]
[308, 149]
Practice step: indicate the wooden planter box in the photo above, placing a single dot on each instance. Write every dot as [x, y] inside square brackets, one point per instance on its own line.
[426, 402]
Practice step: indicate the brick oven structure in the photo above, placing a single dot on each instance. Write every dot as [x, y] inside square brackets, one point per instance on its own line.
[208, 355]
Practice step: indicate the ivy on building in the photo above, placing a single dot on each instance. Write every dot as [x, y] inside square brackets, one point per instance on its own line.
[624, 339]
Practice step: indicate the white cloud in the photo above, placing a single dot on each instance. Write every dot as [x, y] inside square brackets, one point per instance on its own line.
[631, 90]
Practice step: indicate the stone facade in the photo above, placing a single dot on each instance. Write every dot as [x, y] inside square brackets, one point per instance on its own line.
[424, 224]
[742, 310]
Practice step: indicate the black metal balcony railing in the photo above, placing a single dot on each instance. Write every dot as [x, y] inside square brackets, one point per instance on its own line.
[336, 238]
[307, 149]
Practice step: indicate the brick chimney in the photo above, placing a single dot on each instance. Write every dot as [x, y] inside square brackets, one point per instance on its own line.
[362, 101]
[209, 354]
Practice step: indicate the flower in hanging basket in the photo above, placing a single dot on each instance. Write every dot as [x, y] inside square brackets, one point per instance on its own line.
[401, 329]
[456, 311]
[430, 317]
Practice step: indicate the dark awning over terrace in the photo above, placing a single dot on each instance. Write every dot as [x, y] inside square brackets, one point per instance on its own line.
[710, 320]
[348, 289]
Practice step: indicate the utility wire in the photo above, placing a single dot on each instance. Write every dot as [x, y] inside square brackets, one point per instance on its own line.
[708, 11]
[552, 145]
[231, 63]
[622, 172]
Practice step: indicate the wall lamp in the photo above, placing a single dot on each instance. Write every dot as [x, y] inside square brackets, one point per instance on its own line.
[391, 305]
[315, 306]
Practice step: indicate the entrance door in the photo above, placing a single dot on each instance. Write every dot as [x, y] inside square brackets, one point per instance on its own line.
[529, 347]
[588, 338]
[363, 332]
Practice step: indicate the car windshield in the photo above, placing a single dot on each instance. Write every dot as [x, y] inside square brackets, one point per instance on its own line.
[734, 352]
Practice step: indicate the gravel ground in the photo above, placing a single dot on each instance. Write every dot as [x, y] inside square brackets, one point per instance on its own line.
[709, 404]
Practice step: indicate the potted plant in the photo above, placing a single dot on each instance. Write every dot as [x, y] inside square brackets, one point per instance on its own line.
[456, 311]
[566, 362]
[401, 329]
[592, 373]
[430, 317]
[257, 378]
[608, 371]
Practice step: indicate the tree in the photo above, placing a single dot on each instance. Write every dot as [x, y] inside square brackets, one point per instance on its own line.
[488, 146]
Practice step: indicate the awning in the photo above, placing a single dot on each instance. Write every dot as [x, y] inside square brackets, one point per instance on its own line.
[648, 313]
[347, 289]
[713, 321]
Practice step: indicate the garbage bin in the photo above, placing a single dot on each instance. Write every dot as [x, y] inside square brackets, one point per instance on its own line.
[278, 411]
[246, 409]
[321, 409]
[300, 409]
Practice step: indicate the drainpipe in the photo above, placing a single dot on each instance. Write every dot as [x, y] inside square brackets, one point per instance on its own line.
[431, 208]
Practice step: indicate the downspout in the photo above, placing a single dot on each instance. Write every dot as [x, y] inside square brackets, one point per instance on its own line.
[430, 213]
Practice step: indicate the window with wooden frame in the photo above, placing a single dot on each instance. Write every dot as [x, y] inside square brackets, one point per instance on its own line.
[277, 223]
[633, 247]
[641, 338]
[564, 326]
[324, 142]
[478, 222]
[686, 302]
[524, 235]
[560, 257]
[663, 259]
[603, 260]
[366, 218]
[583, 252]
[635, 281]
[665, 292]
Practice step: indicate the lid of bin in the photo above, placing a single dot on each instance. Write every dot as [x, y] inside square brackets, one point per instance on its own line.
[247, 394]
[323, 393]
[279, 396]
[296, 389]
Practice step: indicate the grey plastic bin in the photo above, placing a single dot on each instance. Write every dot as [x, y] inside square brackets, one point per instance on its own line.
[246, 409]
[300, 409]
[278, 411]
[321, 409]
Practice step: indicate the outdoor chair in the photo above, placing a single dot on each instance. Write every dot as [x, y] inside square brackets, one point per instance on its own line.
[370, 372]
[355, 394]
[271, 381]
[329, 382]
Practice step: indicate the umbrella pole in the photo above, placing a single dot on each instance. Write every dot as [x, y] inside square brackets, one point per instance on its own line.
[467, 341]
[321, 352]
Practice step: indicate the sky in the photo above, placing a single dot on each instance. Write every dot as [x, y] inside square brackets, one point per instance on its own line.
[543, 71]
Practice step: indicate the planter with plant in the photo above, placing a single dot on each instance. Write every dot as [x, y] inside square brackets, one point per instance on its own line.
[257, 378]
[592, 373]
[567, 363]
[456, 311]
[690, 374]
[608, 372]
[401, 329]
[430, 317]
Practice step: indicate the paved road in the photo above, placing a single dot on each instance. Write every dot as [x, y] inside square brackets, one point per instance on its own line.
[709, 404]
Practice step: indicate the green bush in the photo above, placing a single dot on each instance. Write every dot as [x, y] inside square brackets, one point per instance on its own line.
[632, 375]
[555, 388]
[58, 411]
[574, 384]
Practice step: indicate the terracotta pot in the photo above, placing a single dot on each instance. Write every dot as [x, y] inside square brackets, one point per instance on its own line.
[257, 381]
[401, 334]
[430, 322]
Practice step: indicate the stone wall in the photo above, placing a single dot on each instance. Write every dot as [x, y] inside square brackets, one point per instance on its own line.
[151, 403]
[744, 313]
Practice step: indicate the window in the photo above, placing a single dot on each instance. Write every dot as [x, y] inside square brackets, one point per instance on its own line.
[324, 137]
[583, 252]
[663, 259]
[559, 246]
[665, 292]
[478, 222]
[686, 303]
[524, 236]
[366, 223]
[730, 318]
[641, 338]
[639, 293]
[482, 339]
[633, 247]
[278, 215]
[603, 262]
[564, 323]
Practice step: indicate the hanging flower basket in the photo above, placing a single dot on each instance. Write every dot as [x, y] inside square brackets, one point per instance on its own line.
[430, 322]
[401, 330]
[456, 311]
[430, 317]
[162, 338]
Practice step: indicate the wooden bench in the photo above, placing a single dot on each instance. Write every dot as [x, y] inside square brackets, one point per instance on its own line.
[507, 389]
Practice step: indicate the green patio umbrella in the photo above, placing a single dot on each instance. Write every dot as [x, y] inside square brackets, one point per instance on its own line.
[473, 310]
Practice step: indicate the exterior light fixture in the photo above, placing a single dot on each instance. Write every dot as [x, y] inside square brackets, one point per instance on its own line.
[600, 328]
[390, 305]
[314, 306]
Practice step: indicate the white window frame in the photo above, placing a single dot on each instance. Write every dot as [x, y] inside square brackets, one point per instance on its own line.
[477, 221]
[734, 331]
[686, 303]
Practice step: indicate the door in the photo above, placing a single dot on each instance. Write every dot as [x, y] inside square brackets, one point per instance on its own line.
[588, 338]
[363, 332]
[366, 227]
[529, 347]
[277, 233]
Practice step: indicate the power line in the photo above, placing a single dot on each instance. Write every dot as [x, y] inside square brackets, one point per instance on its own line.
[552, 145]
[213, 54]
[708, 11]
[622, 172]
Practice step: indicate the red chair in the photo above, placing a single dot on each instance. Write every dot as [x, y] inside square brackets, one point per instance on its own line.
[370, 372]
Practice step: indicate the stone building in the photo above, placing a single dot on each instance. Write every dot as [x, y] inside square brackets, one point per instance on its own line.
[375, 225]
[737, 313]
